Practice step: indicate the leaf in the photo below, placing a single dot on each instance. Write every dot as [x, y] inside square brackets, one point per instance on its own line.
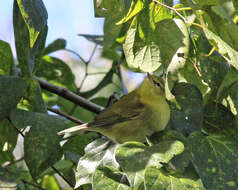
[56, 45]
[207, 3]
[22, 42]
[8, 140]
[77, 144]
[156, 179]
[35, 16]
[56, 71]
[134, 157]
[175, 58]
[98, 153]
[218, 118]
[135, 8]
[49, 182]
[215, 160]
[230, 79]
[152, 52]
[34, 97]
[107, 179]
[41, 143]
[9, 96]
[190, 117]
[6, 58]
[111, 30]
[222, 47]
[213, 71]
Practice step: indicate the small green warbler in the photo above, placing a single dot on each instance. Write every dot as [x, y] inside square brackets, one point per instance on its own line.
[135, 116]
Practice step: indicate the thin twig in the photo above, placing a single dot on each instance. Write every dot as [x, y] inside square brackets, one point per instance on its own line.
[64, 178]
[75, 53]
[69, 117]
[5, 165]
[92, 54]
[67, 94]
[32, 184]
[171, 8]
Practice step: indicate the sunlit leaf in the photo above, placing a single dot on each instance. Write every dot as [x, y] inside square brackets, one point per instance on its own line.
[134, 157]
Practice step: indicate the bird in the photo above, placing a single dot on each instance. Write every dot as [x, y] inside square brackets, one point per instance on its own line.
[134, 117]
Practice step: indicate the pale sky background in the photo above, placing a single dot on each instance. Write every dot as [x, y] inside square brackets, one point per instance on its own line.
[66, 19]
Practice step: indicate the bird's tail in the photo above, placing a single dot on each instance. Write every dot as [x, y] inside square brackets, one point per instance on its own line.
[73, 130]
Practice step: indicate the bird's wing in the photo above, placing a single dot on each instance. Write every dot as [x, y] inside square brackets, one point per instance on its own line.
[127, 108]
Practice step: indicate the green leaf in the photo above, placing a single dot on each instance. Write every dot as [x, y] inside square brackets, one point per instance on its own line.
[107, 179]
[98, 153]
[56, 71]
[218, 118]
[135, 8]
[222, 47]
[49, 182]
[156, 179]
[156, 48]
[34, 97]
[213, 70]
[215, 159]
[77, 144]
[190, 117]
[235, 3]
[111, 30]
[230, 79]
[41, 143]
[12, 89]
[22, 42]
[134, 157]
[35, 16]
[207, 3]
[55, 46]
[6, 58]
[8, 140]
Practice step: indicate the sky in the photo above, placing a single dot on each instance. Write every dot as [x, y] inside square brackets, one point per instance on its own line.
[66, 19]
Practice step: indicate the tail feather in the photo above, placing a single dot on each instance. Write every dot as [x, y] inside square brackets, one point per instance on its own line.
[73, 129]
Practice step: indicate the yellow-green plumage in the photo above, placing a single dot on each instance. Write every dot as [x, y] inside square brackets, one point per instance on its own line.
[135, 116]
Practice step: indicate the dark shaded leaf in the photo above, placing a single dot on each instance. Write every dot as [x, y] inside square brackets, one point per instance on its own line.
[35, 16]
[22, 42]
[215, 160]
[190, 117]
[41, 143]
[218, 118]
[6, 58]
[8, 140]
[34, 97]
[9, 96]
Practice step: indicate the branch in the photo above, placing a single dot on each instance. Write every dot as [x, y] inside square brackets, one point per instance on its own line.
[69, 117]
[33, 185]
[67, 94]
[64, 178]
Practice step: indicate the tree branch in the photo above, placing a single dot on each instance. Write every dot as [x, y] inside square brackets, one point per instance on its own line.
[69, 117]
[67, 94]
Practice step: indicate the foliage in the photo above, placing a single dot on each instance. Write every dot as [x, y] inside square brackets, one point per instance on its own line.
[193, 45]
